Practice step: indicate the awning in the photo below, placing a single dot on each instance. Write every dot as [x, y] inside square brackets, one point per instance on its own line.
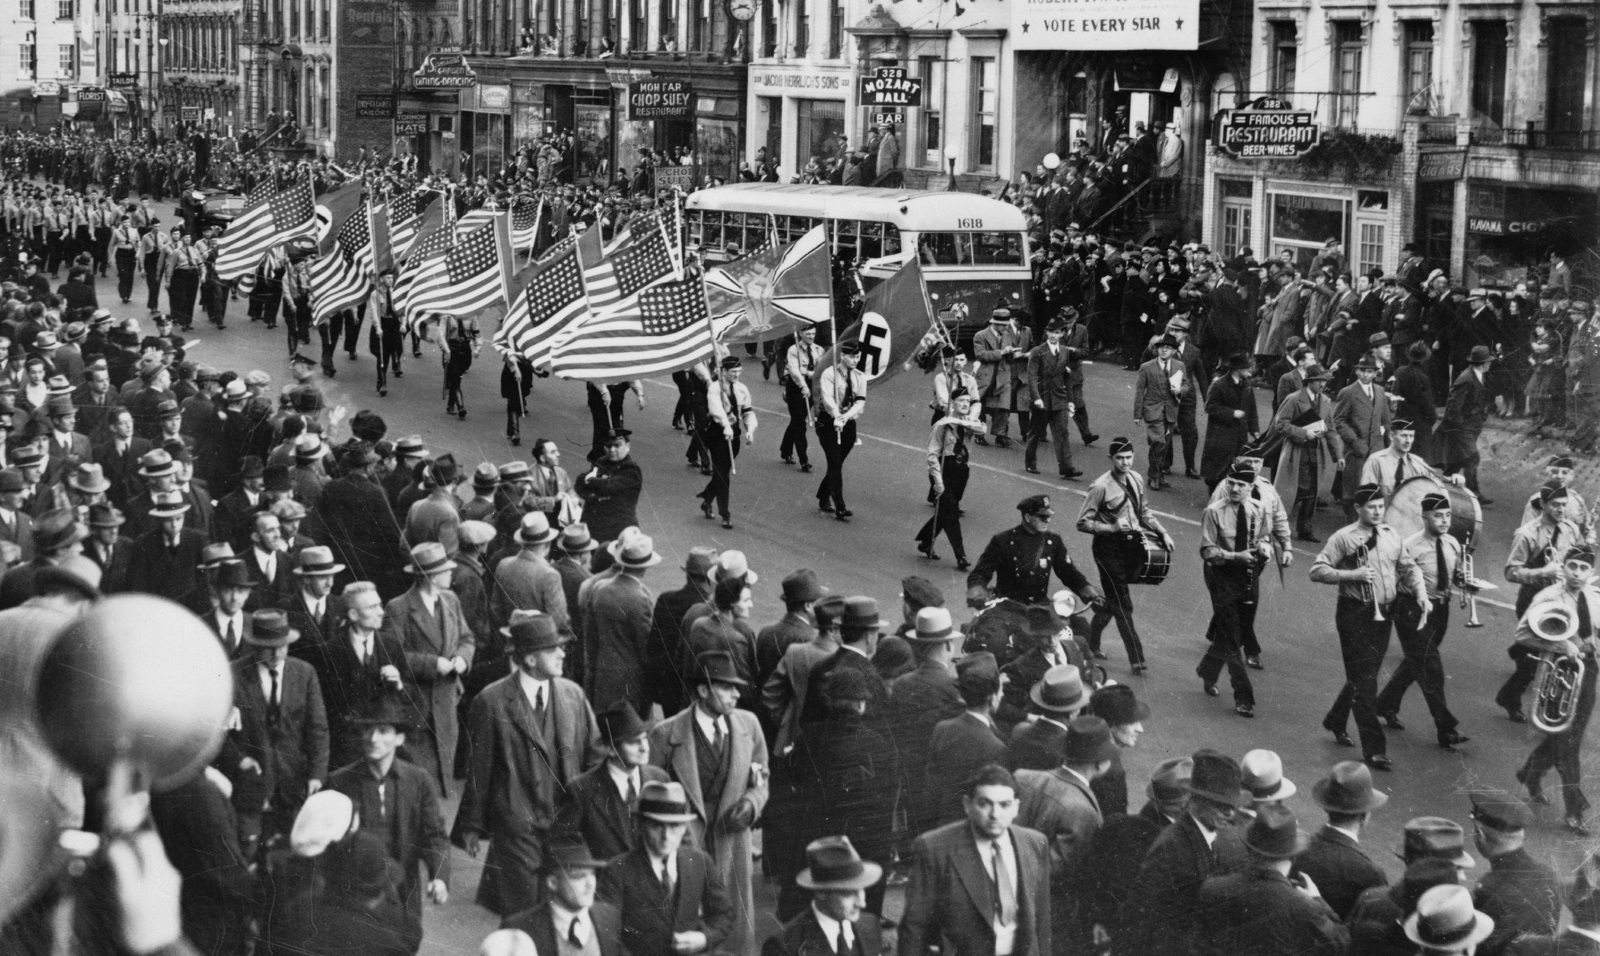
[118, 102]
[1145, 78]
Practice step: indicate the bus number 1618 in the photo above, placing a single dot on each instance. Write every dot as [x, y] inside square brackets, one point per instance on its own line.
[969, 223]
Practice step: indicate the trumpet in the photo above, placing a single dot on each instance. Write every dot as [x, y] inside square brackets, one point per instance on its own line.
[1467, 582]
[1560, 676]
[1368, 591]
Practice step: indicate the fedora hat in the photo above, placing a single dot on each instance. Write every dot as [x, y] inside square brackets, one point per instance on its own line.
[429, 558]
[1480, 355]
[317, 560]
[1446, 921]
[568, 852]
[1348, 789]
[156, 463]
[1041, 622]
[1274, 833]
[700, 561]
[168, 409]
[324, 819]
[89, 478]
[716, 667]
[105, 515]
[934, 626]
[269, 627]
[1059, 690]
[1261, 772]
[802, 585]
[1088, 741]
[235, 391]
[486, 477]
[388, 711]
[531, 631]
[832, 863]
[733, 564]
[576, 539]
[234, 574]
[504, 942]
[620, 722]
[664, 802]
[535, 529]
[359, 455]
[515, 471]
[28, 455]
[1316, 373]
[410, 446]
[1435, 837]
[636, 550]
[1117, 705]
[1170, 782]
[309, 446]
[58, 528]
[860, 612]
[919, 592]
[216, 555]
[1217, 777]
[169, 509]
[475, 533]
[251, 466]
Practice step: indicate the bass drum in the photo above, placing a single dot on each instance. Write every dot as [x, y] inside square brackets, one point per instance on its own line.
[1157, 560]
[1404, 513]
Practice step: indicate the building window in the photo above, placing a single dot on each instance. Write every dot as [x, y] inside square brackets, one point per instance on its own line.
[1234, 197]
[930, 134]
[64, 9]
[1285, 57]
[27, 61]
[1567, 56]
[1489, 72]
[69, 61]
[769, 28]
[638, 26]
[835, 29]
[669, 25]
[25, 9]
[985, 110]
[1418, 68]
[802, 27]
[700, 25]
[1346, 43]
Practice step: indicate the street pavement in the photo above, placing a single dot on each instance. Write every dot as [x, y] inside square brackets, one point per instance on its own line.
[778, 527]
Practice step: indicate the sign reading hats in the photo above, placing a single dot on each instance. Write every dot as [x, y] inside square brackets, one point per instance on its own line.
[891, 86]
[660, 99]
[1269, 128]
[444, 71]
[410, 124]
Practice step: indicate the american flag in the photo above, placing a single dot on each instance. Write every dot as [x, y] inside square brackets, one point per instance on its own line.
[430, 245]
[405, 221]
[467, 279]
[613, 280]
[546, 308]
[666, 330]
[270, 218]
[472, 220]
[342, 279]
[526, 217]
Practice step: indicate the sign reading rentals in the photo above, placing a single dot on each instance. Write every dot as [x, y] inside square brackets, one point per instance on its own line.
[444, 71]
[891, 86]
[1267, 129]
[1105, 24]
[659, 99]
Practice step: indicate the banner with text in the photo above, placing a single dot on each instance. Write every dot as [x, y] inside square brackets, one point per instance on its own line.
[1105, 24]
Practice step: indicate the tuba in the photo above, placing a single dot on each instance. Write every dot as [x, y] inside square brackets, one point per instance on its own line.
[1559, 676]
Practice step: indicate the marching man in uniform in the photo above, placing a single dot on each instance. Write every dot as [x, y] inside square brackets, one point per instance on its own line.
[1117, 512]
[1533, 564]
[1275, 521]
[1235, 541]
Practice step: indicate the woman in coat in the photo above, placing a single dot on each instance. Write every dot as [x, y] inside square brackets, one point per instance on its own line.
[1231, 419]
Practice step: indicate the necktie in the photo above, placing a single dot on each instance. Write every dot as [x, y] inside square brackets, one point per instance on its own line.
[364, 652]
[810, 362]
[843, 948]
[633, 795]
[1400, 472]
[572, 934]
[1585, 626]
[538, 705]
[274, 706]
[1440, 571]
[232, 636]
[1241, 529]
[666, 881]
[716, 735]
[1005, 894]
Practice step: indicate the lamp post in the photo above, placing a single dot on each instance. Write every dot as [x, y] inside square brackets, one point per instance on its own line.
[951, 154]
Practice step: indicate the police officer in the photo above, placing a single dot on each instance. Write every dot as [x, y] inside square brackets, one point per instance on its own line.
[1022, 559]
[1519, 892]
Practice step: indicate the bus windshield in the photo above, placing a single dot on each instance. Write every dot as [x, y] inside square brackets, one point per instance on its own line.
[970, 248]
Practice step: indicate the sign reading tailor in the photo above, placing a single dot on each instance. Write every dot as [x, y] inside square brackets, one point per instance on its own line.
[891, 86]
[1267, 129]
[1105, 24]
[374, 104]
[410, 124]
[660, 99]
[124, 81]
[444, 71]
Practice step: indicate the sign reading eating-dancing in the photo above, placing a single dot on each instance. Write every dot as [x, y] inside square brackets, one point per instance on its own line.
[1105, 24]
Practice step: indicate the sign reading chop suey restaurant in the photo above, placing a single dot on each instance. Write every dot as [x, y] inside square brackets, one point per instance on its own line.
[1105, 24]
[659, 99]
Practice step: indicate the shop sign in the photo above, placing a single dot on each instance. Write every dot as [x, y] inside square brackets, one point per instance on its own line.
[444, 71]
[47, 88]
[780, 82]
[891, 86]
[377, 105]
[1490, 226]
[1446, 165]
[1268, 128]
[675, 177]
[1105, 24]
[211, 113]
[494, 97]
[91, 94]
[190, 114]
[889, 119]
[124, 81]
[659, 99]
[622, 77]
[410, 124]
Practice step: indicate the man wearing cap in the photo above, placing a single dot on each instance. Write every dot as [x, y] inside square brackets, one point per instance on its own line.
[1399, 463]
[730, 425]
[1022, 559]
[468, 582]
[841, 398]
[1049, 375]
[395, 799]
[1236, 542]
[981, 884]
[532, 735]
[671, 897]
[428, 622]
[1535, 564]
[526, 580]
[570, 920]
[1465, 413]
[837, 879]
[1558, 471]
[718, 754]
[1053, 702]
[614, 614]
[1160, 914]
[603, 800]
[1117, 512]
[610, 488]
[1361, 416]
[1334, 859]
[1521, 894]
[308, 599]
[1262, 909]
[355, 520]
[1305, 421]
[278, 754]
[1060, 803]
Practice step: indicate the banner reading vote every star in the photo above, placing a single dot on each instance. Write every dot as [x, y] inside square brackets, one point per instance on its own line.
[1105, 24]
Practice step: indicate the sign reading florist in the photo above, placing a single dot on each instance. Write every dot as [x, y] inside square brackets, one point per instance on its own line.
[1105, 24]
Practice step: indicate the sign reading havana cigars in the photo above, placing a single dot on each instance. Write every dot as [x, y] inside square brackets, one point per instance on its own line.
[1267, 129]
[1105, 24]
[444, 71]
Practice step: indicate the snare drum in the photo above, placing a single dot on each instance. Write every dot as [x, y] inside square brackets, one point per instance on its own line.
[1156, 562]
[1404, 512]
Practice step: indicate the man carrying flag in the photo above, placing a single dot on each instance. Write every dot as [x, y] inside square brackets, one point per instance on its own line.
[841, 399]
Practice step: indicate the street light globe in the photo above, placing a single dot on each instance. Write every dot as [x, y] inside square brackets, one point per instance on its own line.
[1051, 160]
[951, 153]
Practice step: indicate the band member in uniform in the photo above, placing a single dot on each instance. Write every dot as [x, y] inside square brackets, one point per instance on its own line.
[1117, 512]
[1559, 470]
[1369, 563]
[1438, 556]
[1305, 420]
[1534, 564]
[1397, 464]
[1235, 541]
[841, 399]
[1275, 518]
[731, 424]
[1560, 751]
[1021, 560]
[948, 469]
[798, 366]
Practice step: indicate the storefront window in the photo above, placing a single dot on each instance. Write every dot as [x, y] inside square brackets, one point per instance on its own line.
[717, 148]
[592, 135]
[632, 136]
[820, 122]
[1301, 224]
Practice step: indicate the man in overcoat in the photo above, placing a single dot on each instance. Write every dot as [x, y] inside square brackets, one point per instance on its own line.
[428, 622]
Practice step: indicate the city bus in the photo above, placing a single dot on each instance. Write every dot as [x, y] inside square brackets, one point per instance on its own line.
[973, 249]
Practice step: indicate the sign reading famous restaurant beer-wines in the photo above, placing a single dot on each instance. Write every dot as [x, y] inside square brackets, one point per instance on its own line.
[1269, 128]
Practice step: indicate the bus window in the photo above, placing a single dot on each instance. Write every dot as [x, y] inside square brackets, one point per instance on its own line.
[871, 240]
[847, 237]
[696, 221]
[891, 240]
[970, 248]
